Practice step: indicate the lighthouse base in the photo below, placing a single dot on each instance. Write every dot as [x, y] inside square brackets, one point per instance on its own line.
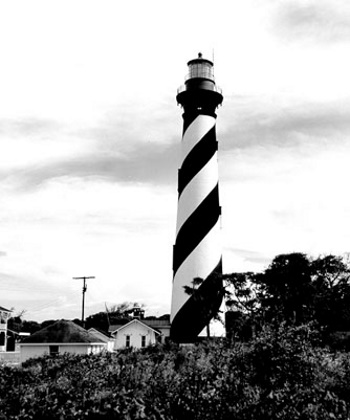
[198, 310]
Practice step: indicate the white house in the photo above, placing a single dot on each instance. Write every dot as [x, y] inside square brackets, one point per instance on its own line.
[5, 314]
[61, 337]
[136, 333]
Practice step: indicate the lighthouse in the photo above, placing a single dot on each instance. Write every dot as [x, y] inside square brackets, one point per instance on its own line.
[197, 260]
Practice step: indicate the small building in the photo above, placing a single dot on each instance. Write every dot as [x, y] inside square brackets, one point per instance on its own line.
[135, 334]
[139, 333]
[61, 337]
[5, 314]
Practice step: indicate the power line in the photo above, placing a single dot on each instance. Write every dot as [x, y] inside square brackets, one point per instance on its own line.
[84, 278]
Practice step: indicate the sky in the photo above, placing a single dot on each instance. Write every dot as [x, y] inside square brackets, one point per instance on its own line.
[90, 136]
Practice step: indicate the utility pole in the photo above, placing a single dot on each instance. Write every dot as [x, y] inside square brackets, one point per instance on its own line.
[84, 290]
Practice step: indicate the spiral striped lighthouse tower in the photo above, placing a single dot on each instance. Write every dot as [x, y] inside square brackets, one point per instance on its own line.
[197, 250]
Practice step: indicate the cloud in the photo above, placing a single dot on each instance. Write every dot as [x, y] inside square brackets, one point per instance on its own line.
[29, 126]
[147, 164]
[49, 297]
[253, 257]
[26, 287]
[113, 153]
[133, 142]
[321, 21]
[3, 254]
[136, 122]
[267, 122]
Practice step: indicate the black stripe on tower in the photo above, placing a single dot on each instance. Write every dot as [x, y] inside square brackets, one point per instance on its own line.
[199, 309]
[188, 120]
[197, 158]
[196, 227]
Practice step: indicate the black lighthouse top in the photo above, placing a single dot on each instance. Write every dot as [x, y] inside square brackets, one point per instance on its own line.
[199, 91]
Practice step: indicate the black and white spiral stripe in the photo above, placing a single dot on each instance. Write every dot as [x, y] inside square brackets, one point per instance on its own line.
[197, 250]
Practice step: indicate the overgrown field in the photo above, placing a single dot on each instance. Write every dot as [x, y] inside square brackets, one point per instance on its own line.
[279, 375]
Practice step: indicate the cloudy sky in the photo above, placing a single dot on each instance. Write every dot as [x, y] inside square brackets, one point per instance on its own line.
[90, 134]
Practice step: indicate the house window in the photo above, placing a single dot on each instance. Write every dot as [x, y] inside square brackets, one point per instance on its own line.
[54, 350]
[127, 341]
[143, 341]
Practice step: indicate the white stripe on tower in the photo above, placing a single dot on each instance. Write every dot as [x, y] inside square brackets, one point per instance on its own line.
[198, 128]
[204, 257]
[197, 250]
[196, 191]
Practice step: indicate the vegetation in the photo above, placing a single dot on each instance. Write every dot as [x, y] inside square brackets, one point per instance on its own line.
[18, 324]
[281, 374]
[116, 314]
[294, 289]
[284, 359]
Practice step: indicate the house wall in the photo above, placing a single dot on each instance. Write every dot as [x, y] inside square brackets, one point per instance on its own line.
[11, 358]
[135, 331]
[97, 348]
[165, 333]
[3, 332]
[31, 351]
[27, 352]
[104, 338]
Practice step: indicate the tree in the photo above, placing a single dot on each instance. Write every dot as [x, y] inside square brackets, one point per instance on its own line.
[241, 301]
[206, 301]
[285, 289]
[30, 326]
[241, 292]
[48, 322]
[294, 289]
[15, 322]
[331, 280]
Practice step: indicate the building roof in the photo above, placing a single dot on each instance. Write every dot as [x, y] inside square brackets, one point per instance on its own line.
[157, 323]
[152, 323]
[62, 331]
[96, 332]
[117, 328]
[4, 309]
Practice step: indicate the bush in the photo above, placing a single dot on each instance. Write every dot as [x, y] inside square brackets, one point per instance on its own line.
[281, 374]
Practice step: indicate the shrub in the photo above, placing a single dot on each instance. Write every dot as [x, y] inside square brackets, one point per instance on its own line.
[281, 374]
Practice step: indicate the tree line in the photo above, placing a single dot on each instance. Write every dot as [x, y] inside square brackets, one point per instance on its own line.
[294, 289]
[115, 314]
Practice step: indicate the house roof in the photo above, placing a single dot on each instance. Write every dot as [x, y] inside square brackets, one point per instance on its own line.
[98, 333]
[117, 328]
[98, 330]
[62, 331]
[4, 309]
[157, 323]
[152, 323]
